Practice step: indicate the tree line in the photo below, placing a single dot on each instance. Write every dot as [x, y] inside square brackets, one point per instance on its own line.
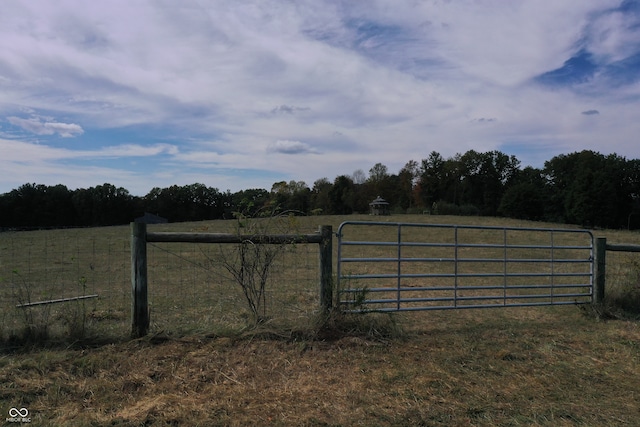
[584, 188]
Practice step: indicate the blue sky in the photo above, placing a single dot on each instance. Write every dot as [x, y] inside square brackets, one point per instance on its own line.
[239, 95]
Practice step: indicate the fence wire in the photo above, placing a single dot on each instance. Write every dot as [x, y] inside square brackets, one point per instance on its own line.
[86, 270]
[623, 275]
[190, 289]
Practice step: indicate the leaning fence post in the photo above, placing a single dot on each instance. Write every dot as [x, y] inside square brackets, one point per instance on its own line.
[326, 268]
[600, 270]
[139, 300]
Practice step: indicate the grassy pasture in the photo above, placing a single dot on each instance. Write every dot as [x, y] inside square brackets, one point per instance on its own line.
[189, 290]
[517, 366]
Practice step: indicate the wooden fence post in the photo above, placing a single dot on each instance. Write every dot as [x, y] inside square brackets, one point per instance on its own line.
[326, 268]
[600, 270]
[139, 304]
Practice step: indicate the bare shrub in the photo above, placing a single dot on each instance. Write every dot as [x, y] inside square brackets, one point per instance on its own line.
[250, 262]
[36, 319]
[77, 315]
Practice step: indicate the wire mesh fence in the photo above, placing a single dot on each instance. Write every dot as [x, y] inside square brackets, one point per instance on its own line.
[64, 282]
[623, 280]
[190, 289]
[76, 283]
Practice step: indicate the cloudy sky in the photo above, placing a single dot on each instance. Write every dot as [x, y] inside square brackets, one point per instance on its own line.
[242, 94]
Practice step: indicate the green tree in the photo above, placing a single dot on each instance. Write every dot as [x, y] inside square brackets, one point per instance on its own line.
[590, 189]
[341, 196]
[431, 179]
[250, 202]
[406, 182]
[194, 202]
[103, 204]
[291, 196]
[526, 197]
[320, 201]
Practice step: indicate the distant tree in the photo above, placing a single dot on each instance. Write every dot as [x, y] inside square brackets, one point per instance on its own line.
[585, 188]
[21, 205]
[495, 171]
[453, 174]
[590, 189]
[632, 189]
[250, 202]
[407, 178]
[103, 205]
[341, 196]
[25, 206]
[320, 202]
[194, 202]
[558, 173]
[522, 201]
[526, 197]
[378, 173]
[6, 210]
[203, 203]
[431, 180]
[380, 183]
[27, 201]
[291, 196]
[359, 177]
[473, 179]
[57, 207]
[301, 199]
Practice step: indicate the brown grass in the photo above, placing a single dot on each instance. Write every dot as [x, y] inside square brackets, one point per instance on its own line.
[546, 366]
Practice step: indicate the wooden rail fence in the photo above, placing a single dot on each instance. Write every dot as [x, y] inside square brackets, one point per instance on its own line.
[600, 257]
[140, 237]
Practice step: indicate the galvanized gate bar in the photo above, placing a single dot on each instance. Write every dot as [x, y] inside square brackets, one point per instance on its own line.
[564, 282]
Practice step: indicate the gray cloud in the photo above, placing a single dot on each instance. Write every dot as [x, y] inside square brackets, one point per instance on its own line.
[288, 109]
[285, 146]
[485, 120]
[591, 112]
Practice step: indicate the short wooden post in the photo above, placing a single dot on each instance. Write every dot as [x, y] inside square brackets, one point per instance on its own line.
[139, 299]
[326, 268]
[600, 261]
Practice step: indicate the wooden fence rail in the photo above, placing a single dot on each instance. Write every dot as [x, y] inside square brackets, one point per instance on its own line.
[140, 237]
[600, 255]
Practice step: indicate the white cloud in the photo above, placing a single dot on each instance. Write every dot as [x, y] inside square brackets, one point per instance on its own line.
[40, 127]
[23, 162]
[352, 83]
[613, 36]
[29, 153]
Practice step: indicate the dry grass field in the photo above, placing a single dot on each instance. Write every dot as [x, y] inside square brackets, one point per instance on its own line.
[546, 366]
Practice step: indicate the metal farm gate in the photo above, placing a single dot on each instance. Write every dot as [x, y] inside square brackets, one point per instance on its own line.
[386, 266]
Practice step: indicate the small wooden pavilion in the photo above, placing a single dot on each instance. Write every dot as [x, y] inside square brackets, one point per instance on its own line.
[379, 207]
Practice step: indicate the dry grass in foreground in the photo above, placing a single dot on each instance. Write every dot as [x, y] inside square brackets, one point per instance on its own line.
[509, 367]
